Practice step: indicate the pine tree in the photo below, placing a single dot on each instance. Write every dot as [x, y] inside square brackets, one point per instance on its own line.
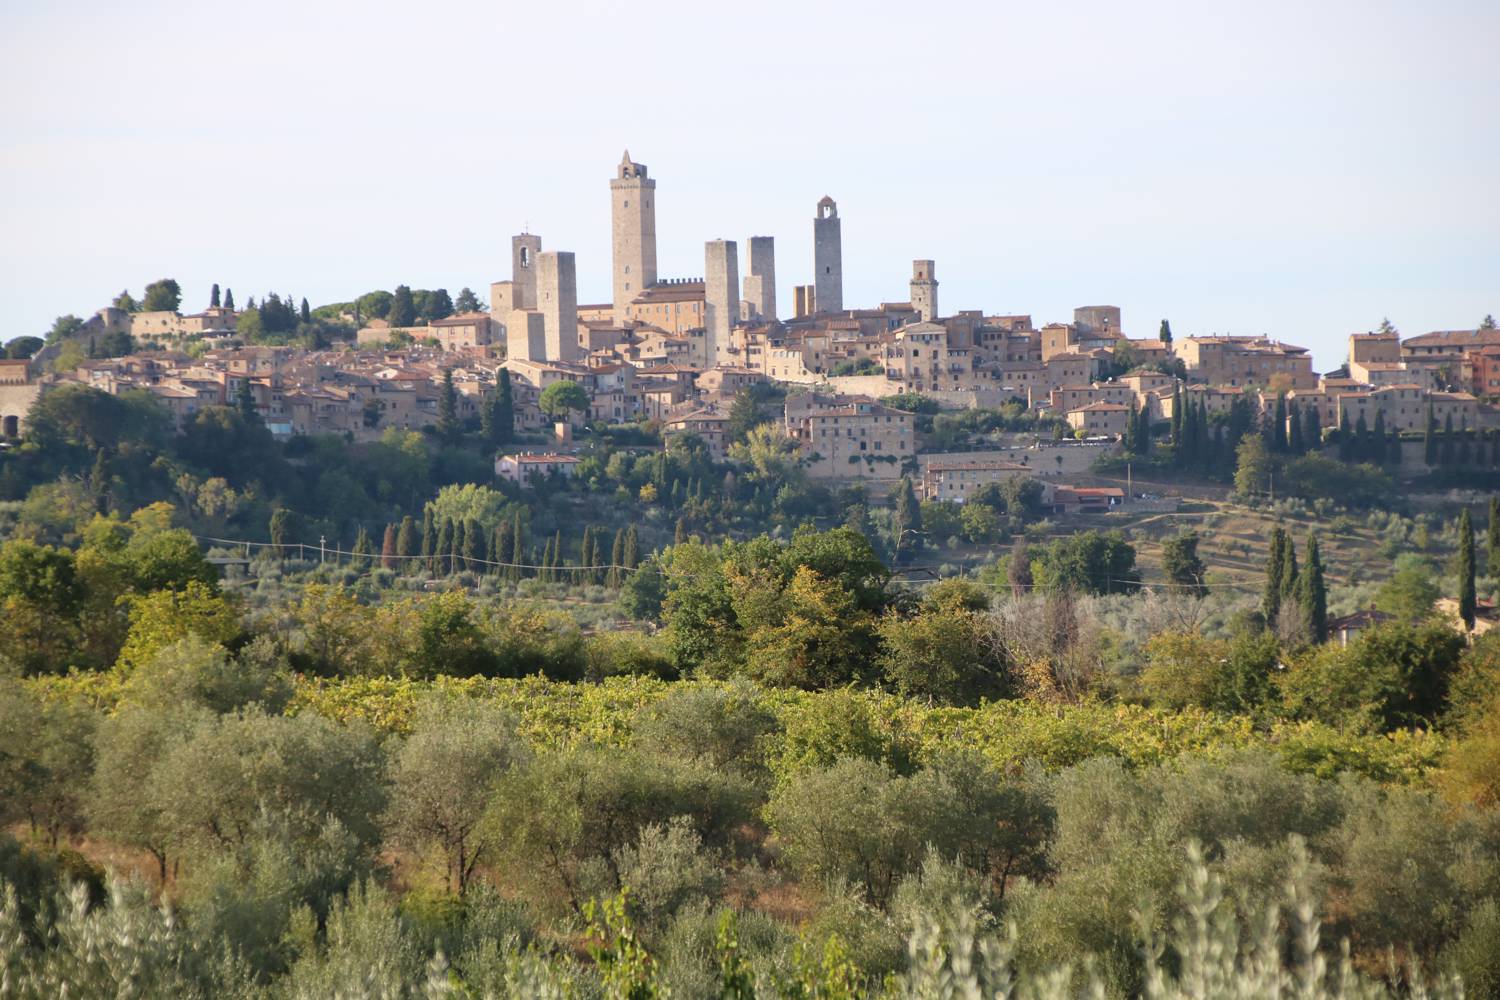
[505, 410]
[1270, 602]
[408, 542]
[229, 299]
[1313, 593]
[403, 311]
[1467, 602]
[213, 296]
[1492, 540]
[473, 545]
[443, 554]
[388, 548]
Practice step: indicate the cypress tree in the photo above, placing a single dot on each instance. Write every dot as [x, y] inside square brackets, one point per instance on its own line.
[363, 548]
[1294, 429]
[1346, 437]
[487, 422]
[505, 410]
[632, 555]
[1177, 416]
[447, 425]
[1495, 447]
[1165, 334]
[1312, 429]
[1492, 540]
[213, 296]
[518, 546]
[586, 547]
[473, 546]
[908, 522]
[679, 533]
[1143, 433]
[407, 541]
[502, 547]
[1445, 449]
[596, 561]
[429, 540]
[616, 557]
[545, 573]
[1313, 592]
[1270, 603]
[306, 313]
[388, 548]
[1378, 441]
[557, 556]
[1361, 447]
[1465, 451]
[443, 553]
[229, 299]
[1288, 568]
[1128, 440]
[1429, 439]
[1467, 602]
[1278, 429]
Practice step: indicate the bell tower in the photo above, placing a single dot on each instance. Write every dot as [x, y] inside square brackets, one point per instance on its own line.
[633, 237]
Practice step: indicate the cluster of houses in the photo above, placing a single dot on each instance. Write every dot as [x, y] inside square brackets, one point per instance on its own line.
[675, 351]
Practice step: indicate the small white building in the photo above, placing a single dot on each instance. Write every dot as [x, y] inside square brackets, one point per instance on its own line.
[523, 468]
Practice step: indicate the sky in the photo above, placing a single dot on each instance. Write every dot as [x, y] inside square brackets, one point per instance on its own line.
[1294, 169]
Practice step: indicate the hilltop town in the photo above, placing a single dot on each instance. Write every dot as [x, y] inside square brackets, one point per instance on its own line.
[674, 352]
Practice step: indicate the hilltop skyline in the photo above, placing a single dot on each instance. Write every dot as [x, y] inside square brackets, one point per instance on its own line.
[1216, 170]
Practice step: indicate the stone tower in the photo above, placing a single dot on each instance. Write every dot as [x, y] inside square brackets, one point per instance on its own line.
[523, 253]
[924, 287]
[721, 299]
[760, 279]
[828, 259]
[557, 301]
[633, 217]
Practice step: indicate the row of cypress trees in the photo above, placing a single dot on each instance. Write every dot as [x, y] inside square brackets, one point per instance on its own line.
[1289, 587]
[505, 551]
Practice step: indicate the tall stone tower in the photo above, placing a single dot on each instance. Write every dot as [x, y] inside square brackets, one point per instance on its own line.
[557, 301]
[924, 289]
[523, 253]
[633, 216]
[828, 259]
[760, 279]
[721, 299]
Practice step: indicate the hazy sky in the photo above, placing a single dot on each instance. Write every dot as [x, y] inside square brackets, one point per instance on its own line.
[1297, 169]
